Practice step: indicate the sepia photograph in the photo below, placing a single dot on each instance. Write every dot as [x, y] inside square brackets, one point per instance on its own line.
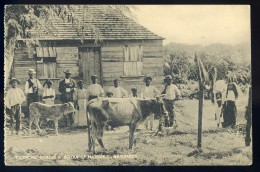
[127, 85]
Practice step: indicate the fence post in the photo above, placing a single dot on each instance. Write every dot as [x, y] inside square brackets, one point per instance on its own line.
[201, 97]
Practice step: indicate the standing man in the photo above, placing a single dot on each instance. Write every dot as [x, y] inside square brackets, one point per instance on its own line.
[13, 100]
[67, 88]
[148, 92]
[118, 92]
[94, 90]
[32, 87]
[172, 93]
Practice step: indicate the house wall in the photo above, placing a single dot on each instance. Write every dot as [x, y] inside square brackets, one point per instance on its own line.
[111, 62]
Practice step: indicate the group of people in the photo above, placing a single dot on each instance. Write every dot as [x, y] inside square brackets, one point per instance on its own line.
[72, 91]
[226, 106]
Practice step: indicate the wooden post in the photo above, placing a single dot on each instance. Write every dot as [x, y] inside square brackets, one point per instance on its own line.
[201, 97]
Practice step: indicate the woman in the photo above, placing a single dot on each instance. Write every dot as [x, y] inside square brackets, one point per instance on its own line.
[229, 106]
[81, 101]
[48, 95]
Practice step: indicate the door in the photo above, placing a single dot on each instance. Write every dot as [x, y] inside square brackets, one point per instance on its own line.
[89, 63]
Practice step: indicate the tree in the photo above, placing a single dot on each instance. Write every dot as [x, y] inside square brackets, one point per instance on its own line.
[21, 20]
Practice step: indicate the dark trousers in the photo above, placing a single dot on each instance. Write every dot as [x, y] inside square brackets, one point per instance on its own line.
[14, 114]
[92, 97]
[68, 97]
[169, 105]
[229, 114]
[31, 97]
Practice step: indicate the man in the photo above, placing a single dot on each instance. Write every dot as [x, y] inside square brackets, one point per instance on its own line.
[13, 100]
[171, 93]
[32, 87]
[67, 88]
[148, 92]
[118, 92]
[94, 90]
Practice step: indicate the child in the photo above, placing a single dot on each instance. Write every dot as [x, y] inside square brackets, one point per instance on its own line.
[48, 93]
[13, 100]
[219, 115]
[134, 92]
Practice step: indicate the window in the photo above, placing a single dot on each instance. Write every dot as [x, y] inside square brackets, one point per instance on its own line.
[46, 62]
[133, 60]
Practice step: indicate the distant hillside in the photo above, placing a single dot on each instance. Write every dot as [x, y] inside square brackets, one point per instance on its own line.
[239, 53]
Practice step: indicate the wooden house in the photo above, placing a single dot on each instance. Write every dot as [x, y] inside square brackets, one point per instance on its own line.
[127, 51]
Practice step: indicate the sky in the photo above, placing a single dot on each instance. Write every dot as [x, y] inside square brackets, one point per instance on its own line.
[197, 24]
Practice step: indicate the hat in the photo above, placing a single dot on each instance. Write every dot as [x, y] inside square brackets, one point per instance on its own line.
[116, 80]
[49, 82]
[134, 88]
[147, 77]
[80, 82]
[168, 77]
[94, 76]
[31, 71]
[67, 71]
[14, 79]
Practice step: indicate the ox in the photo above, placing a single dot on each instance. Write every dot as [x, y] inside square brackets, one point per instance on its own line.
[117, 112]
[53, 112]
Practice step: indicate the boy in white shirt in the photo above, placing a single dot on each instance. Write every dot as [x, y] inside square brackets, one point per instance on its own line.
[13, 100]
[118, 92]
[149, 92]
[172, 93]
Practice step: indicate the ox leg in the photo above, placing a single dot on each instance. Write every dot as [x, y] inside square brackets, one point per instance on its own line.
[30, 125]
[99, 136]
[36, 122]
[131, 135]
[56, 127]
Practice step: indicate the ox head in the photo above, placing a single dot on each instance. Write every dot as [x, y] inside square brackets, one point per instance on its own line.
[67, 108]
[158, 107]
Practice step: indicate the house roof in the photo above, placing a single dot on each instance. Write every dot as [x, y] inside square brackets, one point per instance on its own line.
[110, 24]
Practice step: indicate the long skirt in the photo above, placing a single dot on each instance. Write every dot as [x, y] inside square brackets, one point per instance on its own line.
[229, 114]
[80, 118]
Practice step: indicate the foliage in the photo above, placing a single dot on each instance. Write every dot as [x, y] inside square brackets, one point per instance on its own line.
[231, 61]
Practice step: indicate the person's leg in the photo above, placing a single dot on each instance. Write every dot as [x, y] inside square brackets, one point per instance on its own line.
[248, 131]
[17, 118]
[151, 121]
[11, 114]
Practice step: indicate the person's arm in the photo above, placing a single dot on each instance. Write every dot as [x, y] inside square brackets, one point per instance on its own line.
[26, 87]
[22, 96]
[7, 100]
[125, 93]
[61, 87]
[156, 92]
[39, 84]
[102, 92]
[53, 94]
[177, 92]
[142, 93]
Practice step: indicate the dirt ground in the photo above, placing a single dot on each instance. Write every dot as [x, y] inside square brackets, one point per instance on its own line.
[219, 146]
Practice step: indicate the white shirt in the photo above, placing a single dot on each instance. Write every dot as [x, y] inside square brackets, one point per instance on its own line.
[95, 90]
[48, 92]
[118, 92]
[230, 96]
[36, 83]
[171, 92]
[149, 92]
[14, 96]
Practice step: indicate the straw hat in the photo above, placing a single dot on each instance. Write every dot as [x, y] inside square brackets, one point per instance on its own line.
[31, 71]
